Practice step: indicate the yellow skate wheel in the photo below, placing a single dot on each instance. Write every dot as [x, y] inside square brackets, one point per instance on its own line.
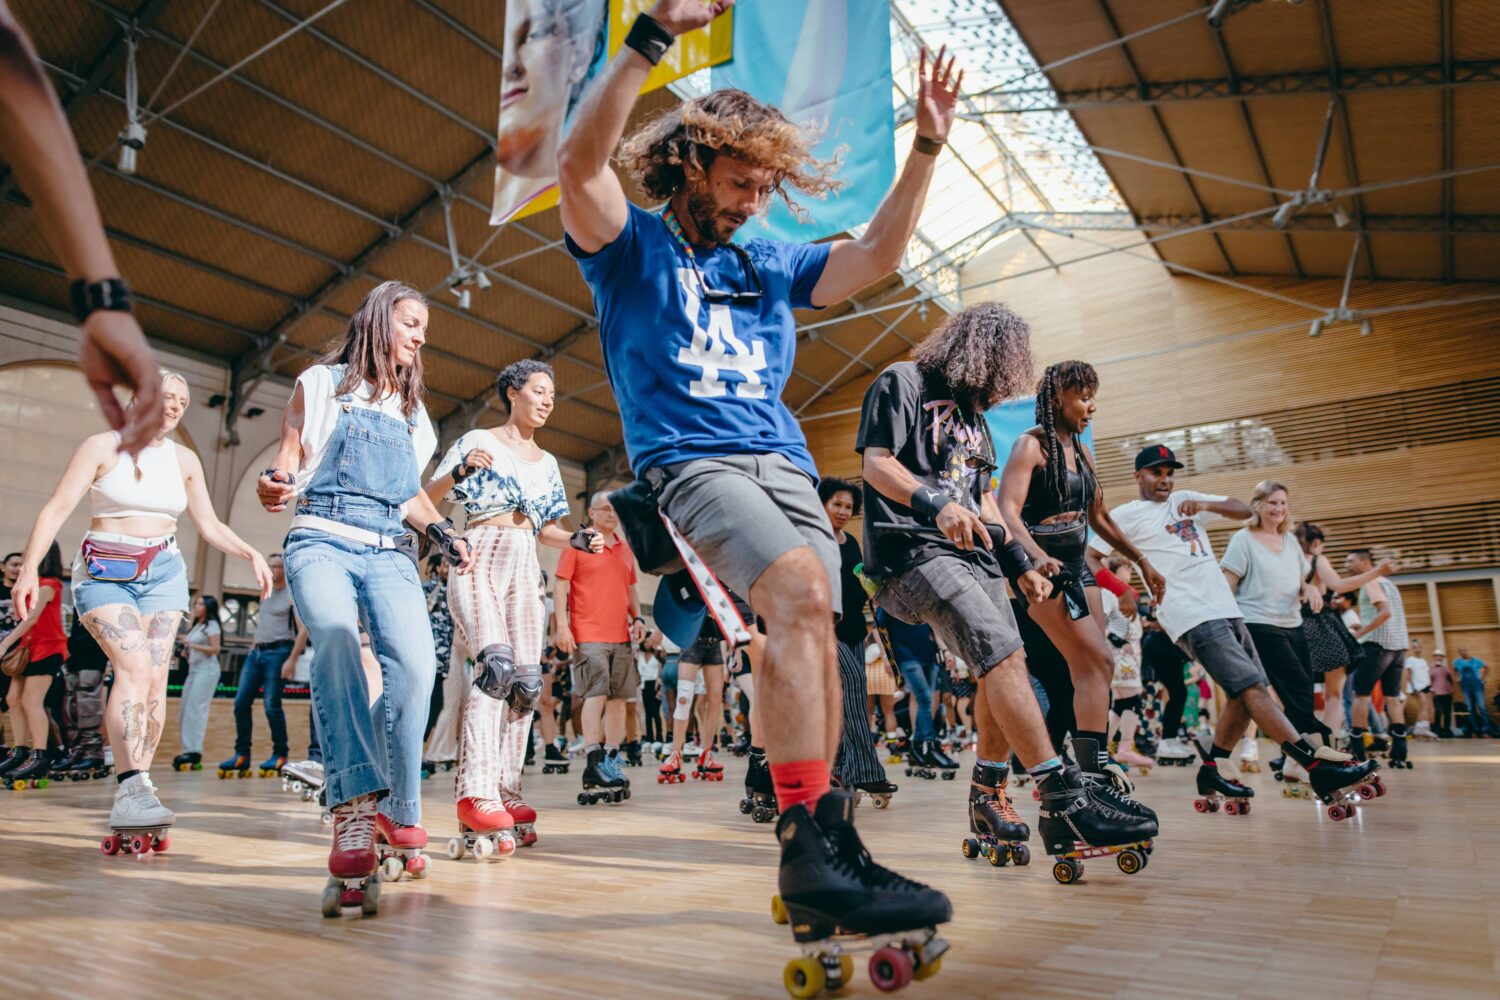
[778, 911]
[804, 977]
[927, 970]
[846, 968]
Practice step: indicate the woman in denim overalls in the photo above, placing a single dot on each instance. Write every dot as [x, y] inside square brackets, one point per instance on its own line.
[356, 436]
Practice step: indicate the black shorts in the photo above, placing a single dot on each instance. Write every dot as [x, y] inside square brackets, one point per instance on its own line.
[47, 666]
[1379, 666]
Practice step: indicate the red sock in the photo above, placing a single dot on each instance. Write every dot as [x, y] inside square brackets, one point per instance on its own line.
[799, 782]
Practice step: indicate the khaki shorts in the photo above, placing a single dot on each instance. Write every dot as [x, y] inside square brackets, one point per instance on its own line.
[605, 670]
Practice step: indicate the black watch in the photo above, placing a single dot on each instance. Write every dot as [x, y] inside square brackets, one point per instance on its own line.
[89, 297]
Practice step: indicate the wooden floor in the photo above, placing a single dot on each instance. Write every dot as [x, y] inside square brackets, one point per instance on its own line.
[667, 896]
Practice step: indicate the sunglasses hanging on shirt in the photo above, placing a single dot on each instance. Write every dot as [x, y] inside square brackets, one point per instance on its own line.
[716, 296]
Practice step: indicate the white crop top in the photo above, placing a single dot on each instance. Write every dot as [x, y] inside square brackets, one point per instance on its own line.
[158, 490]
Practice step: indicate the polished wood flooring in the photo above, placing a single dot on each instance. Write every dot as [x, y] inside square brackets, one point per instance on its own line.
[667, 896]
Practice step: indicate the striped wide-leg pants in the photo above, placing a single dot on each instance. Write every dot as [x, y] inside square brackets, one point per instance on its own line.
[857, 763]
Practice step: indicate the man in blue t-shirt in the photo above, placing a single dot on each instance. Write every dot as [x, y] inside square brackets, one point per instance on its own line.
[1472, 672]
[699, 340]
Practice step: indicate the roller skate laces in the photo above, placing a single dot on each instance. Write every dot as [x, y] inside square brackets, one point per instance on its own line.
[353, 879]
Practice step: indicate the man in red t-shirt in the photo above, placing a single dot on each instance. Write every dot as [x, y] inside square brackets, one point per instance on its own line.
[598, 614]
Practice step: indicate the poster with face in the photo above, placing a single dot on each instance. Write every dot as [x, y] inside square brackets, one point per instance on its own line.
[552, 50]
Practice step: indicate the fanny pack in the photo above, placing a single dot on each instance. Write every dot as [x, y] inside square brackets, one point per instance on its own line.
[637, 506]
[120, 562]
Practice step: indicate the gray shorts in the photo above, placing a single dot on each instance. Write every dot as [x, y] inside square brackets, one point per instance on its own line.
[605, 670]
[741, 513]
[968, 609]
[1227, 653]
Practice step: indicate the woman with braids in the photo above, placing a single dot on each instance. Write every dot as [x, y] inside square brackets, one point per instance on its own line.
[1050, 497]
[130, 583]
[354, 441]
[513, 498]
[935, 542]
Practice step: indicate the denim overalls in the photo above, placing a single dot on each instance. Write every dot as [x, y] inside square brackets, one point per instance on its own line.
[368, 471]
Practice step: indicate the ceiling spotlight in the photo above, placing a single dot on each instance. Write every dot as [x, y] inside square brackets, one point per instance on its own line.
[1284, 214]
[1340, 217]
[463, 298]
[482, 280]
[1316, 329]
[1365, 329]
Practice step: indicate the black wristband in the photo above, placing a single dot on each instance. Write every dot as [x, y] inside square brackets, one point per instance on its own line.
[108, 295]
[1013, 558]
[271, 472]
[649, 38]
[926, 146]
[461, 471]
[928, 502]
[442, 535]
[580, 539]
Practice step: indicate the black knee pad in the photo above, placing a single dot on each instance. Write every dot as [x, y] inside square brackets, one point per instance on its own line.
[495, 671]
[526, 690]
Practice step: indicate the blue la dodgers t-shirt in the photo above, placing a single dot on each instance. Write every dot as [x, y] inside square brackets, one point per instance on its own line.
[695, 380]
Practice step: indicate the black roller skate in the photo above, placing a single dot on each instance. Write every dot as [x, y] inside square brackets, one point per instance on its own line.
[64, 762]
[1214, 789]
[1109, 780]
[896, 747]
[187, 762]
[90, 766]
[599, 784]
[838, 900]
[429, 768]
[34, 773]
[1342, 785]
[879, 792]
[1399, 760]
[1000, 835]
[741, 746]
[759, 802]
[1077, 822]
[632, 749]
[947, 766]
[919, 762]
[553, 761]
[1277, 766]
[16, 757]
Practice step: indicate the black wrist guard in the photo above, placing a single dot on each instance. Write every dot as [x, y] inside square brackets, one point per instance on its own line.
[271, 472]
[461, 471]
[89, 297]
[649, 38]
[442, 535]
[1117, 641]
[928, 502]
[1013, 558]
[580, 539]
[926, 146]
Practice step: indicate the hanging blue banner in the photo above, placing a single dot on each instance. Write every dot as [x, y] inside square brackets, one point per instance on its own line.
[827, 63]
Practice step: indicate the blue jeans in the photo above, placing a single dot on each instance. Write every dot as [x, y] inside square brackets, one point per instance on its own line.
[367, 749]
[262, 668]
[921, 680]
[1479, 716]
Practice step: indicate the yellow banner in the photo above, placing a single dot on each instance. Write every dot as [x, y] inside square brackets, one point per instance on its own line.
[693, 51]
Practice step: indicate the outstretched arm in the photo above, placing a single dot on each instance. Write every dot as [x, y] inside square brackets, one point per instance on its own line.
[212, 530]
[39, 146]
[593, 205]
[854, 264]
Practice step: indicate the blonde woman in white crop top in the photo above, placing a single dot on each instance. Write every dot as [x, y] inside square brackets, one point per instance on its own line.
[136, 501]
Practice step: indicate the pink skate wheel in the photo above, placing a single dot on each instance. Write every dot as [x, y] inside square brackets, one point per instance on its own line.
[160, 844]
[416, 867]
[139, 844]
[505, 844]
[1366, 792]
[110, 845]
[1201, 805]
[528, 838]
[351, 897]
[890, 969]
[1336, 812]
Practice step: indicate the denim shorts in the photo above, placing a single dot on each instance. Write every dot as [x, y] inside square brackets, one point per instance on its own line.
[163, 587]
[966, 607]
[1227, 652]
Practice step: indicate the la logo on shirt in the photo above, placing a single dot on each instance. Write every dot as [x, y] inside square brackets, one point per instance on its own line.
[716, 350]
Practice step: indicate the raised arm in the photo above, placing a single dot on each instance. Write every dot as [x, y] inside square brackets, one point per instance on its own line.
[1234, 510]
[1331, 580]
[593, 205]
[854, 264]
[39, 146]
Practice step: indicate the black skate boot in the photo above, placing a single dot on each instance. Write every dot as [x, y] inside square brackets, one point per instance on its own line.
[759, 802]
[599, 784]
[1109, 780]
[1276, 765]
[1399, 759]
[65, 762]
[32, 774]
[1357, 747]
[919, 762]
[187, 762]
[530, 757]
[830, 886]
[879, 792]
[1077, 821]
[1215, 789]
[947, 766]
[741, 746]
[1342, 785]
[17, 756]
[553, 761]
[1000, 835]
[632, 750]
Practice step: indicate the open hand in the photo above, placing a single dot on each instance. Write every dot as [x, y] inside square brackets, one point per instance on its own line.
[937, 95]
[114, 352]
[681, 16]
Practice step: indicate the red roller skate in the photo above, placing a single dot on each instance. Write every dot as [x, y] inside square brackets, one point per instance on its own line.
[708, 769]
[671, 770]
[525, 818]
[484, 830]
[353, 869]
[400, 849]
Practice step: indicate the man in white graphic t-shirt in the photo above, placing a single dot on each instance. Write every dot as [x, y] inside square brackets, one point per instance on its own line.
[1200, 614]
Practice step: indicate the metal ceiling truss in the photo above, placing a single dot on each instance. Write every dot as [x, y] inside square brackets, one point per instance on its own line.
[1309, 83]
[1351, 165]
[1438, 225]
